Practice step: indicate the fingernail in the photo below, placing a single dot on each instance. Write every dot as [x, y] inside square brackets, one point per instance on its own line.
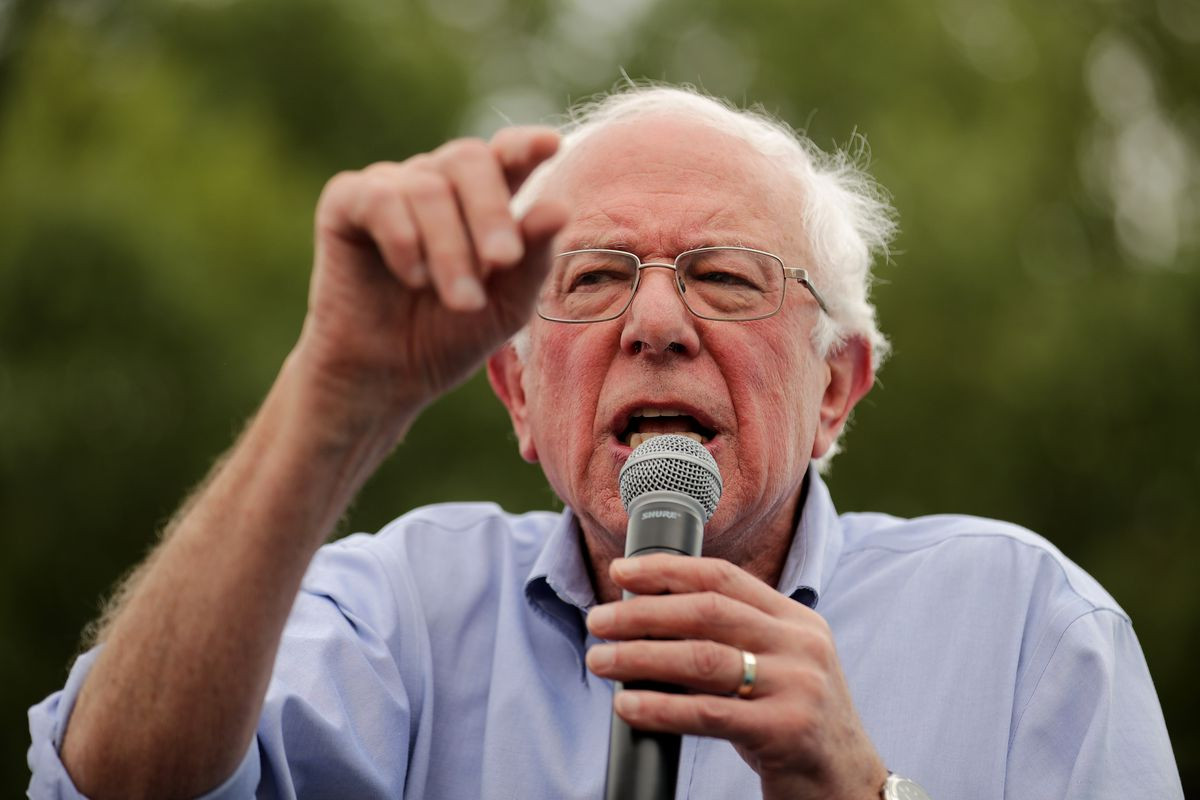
[599, 617]
[600, 657]
[416, 273]
[468, 293]
[502, 247]
[626, 703]
[626, 567]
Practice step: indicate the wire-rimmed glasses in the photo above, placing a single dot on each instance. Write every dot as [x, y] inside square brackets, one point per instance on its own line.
[728, 284]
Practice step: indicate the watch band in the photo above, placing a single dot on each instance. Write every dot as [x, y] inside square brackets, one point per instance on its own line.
[898, 788]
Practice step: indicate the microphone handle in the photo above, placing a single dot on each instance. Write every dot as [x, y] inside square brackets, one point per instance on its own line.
[644, 765]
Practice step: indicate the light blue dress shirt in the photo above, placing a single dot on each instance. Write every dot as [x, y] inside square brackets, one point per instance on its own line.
[444, 658]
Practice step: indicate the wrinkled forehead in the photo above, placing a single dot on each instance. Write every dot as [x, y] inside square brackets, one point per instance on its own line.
[682, 177]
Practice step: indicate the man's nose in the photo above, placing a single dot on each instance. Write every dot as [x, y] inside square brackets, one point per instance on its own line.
[658, 322]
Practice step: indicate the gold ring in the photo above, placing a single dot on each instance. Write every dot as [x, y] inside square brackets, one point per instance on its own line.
[749, 674]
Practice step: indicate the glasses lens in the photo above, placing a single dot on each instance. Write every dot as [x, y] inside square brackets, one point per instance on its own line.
[588, 285]
[729, 283]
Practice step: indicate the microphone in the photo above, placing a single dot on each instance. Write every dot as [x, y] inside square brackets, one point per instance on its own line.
[670, 486]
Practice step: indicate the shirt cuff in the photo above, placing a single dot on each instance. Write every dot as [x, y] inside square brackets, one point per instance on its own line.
[48, 725]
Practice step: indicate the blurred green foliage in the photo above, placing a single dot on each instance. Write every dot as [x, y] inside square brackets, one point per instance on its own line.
[159, 163]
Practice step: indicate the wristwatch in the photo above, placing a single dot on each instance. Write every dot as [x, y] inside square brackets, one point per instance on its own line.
[897, 788]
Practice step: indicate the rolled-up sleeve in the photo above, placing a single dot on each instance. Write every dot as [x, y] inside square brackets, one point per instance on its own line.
[338, 718]
[48, 725]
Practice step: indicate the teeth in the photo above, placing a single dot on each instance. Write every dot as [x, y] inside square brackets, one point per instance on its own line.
[637, 438]
[657, 412]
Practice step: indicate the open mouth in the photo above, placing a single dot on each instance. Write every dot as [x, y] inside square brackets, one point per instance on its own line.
[646, 423]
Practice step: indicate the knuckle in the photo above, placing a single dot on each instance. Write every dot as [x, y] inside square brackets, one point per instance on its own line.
[403, 239]
[820, 647]
[506, 134]
[710, 606]
[469, 149]
[376, 189]
[821, 625]
[341, 180]
[381, 169]
[630, 657]
[778, 746]
[427, 186]
[418, 161]
[625, 657]
[721, 575]
[707, 660]
[635, 617]
[653, 711]
[811, 685]
[712, 714]
[337, 187]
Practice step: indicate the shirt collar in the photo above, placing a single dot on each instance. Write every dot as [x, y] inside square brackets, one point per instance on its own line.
[558, 587]
[560, 590]
[561, 564]
[816, 545]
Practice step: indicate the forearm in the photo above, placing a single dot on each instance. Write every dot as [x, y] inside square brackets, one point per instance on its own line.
[399, 312]
[174, 697]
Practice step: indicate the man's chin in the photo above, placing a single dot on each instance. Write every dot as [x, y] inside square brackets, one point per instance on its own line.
[604, 530]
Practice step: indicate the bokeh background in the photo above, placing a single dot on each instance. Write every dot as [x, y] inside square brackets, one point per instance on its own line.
[159, 162]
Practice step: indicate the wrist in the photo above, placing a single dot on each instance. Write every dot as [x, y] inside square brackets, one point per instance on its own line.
[342, 403]
[307, 451]
[866, 783]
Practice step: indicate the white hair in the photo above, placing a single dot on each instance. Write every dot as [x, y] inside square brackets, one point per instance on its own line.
[846, 218]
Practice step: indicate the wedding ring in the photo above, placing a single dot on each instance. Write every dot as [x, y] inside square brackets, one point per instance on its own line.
[749, 674]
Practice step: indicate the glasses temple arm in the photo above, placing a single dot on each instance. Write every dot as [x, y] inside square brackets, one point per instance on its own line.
[801, 277]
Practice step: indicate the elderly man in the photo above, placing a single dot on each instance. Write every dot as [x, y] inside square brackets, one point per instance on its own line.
[693, 269]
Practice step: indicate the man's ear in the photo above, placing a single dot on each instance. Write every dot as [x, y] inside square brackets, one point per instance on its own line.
[505, 372]
[851, 376]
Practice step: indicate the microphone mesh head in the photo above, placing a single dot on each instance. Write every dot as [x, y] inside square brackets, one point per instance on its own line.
[674, 463]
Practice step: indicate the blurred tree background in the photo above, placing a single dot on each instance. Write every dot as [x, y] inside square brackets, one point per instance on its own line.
[159, 162]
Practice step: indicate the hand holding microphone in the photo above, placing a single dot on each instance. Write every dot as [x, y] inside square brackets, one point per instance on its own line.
[703, 647]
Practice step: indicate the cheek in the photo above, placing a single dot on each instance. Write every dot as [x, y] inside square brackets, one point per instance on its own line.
[778, 400]
[778, 378]
[564, 397]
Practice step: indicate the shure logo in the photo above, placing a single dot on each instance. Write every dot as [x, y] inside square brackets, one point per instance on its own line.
[660, 514]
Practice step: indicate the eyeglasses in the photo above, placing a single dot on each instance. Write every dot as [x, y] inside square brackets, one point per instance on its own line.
[727, 284]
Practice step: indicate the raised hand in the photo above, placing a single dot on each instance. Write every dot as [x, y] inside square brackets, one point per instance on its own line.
[421, 271]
